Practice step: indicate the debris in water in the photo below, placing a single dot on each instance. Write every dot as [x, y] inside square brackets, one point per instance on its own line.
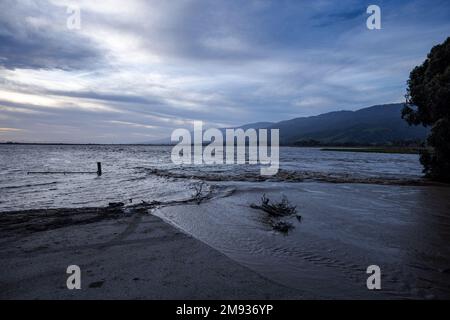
[280, 209]
[282, 226]
[115, 204]
[277, 210]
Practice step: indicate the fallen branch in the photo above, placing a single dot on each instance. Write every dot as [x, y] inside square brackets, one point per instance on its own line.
[198, 192]
[282, 226]
[278, 209]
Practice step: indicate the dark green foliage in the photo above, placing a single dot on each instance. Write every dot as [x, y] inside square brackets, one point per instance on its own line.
[428, 104]
[436, 160]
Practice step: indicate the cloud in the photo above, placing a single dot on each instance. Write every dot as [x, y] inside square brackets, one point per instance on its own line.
[147, 67]
[34, 35]
[9, 129]
[132, 124]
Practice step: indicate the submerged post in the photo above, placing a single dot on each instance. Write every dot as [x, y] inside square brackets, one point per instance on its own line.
[99, 168]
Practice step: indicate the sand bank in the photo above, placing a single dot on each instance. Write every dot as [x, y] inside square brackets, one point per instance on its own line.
[127, 256]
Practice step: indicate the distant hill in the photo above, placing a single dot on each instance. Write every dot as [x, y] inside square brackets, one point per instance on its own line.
[257, 125]
[376, 125]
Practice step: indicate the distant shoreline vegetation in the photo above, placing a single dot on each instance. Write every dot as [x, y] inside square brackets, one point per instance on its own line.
[401, 150]
[404, 146]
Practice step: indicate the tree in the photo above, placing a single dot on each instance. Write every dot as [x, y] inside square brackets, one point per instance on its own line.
[428, 104]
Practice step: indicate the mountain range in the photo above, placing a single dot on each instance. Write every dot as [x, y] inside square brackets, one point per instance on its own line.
[375, 125]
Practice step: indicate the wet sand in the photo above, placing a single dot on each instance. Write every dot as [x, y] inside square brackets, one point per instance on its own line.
[121, 256]
[296, 176]
[344, 228]
[219, 247]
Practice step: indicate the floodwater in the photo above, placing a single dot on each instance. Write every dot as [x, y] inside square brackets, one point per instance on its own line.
[126, 175]
[345, 227]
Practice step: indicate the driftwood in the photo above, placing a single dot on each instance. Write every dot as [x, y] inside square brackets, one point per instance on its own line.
[277, 209]
[115, 204]
[282, 226]
[198, 192]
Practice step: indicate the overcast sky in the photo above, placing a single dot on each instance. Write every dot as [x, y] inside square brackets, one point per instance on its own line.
[136, 70]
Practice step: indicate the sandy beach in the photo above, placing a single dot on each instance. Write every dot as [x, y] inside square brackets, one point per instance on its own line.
[192, 232]
[222, 248]
[126, 256]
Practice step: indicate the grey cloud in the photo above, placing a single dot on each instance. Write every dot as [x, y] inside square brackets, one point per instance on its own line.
[104, 96]
[44, 45]
[217, 61]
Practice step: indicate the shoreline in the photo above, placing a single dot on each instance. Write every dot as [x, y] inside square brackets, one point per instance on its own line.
[121, 256]
[381, 149]
[158, 250]
[344, 228]
[297, 176]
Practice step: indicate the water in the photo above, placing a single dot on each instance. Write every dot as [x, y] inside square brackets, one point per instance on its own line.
[345, 227]
[122, 179]
[125, 175]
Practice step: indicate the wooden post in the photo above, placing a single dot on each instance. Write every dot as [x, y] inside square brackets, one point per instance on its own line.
[99, 168]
